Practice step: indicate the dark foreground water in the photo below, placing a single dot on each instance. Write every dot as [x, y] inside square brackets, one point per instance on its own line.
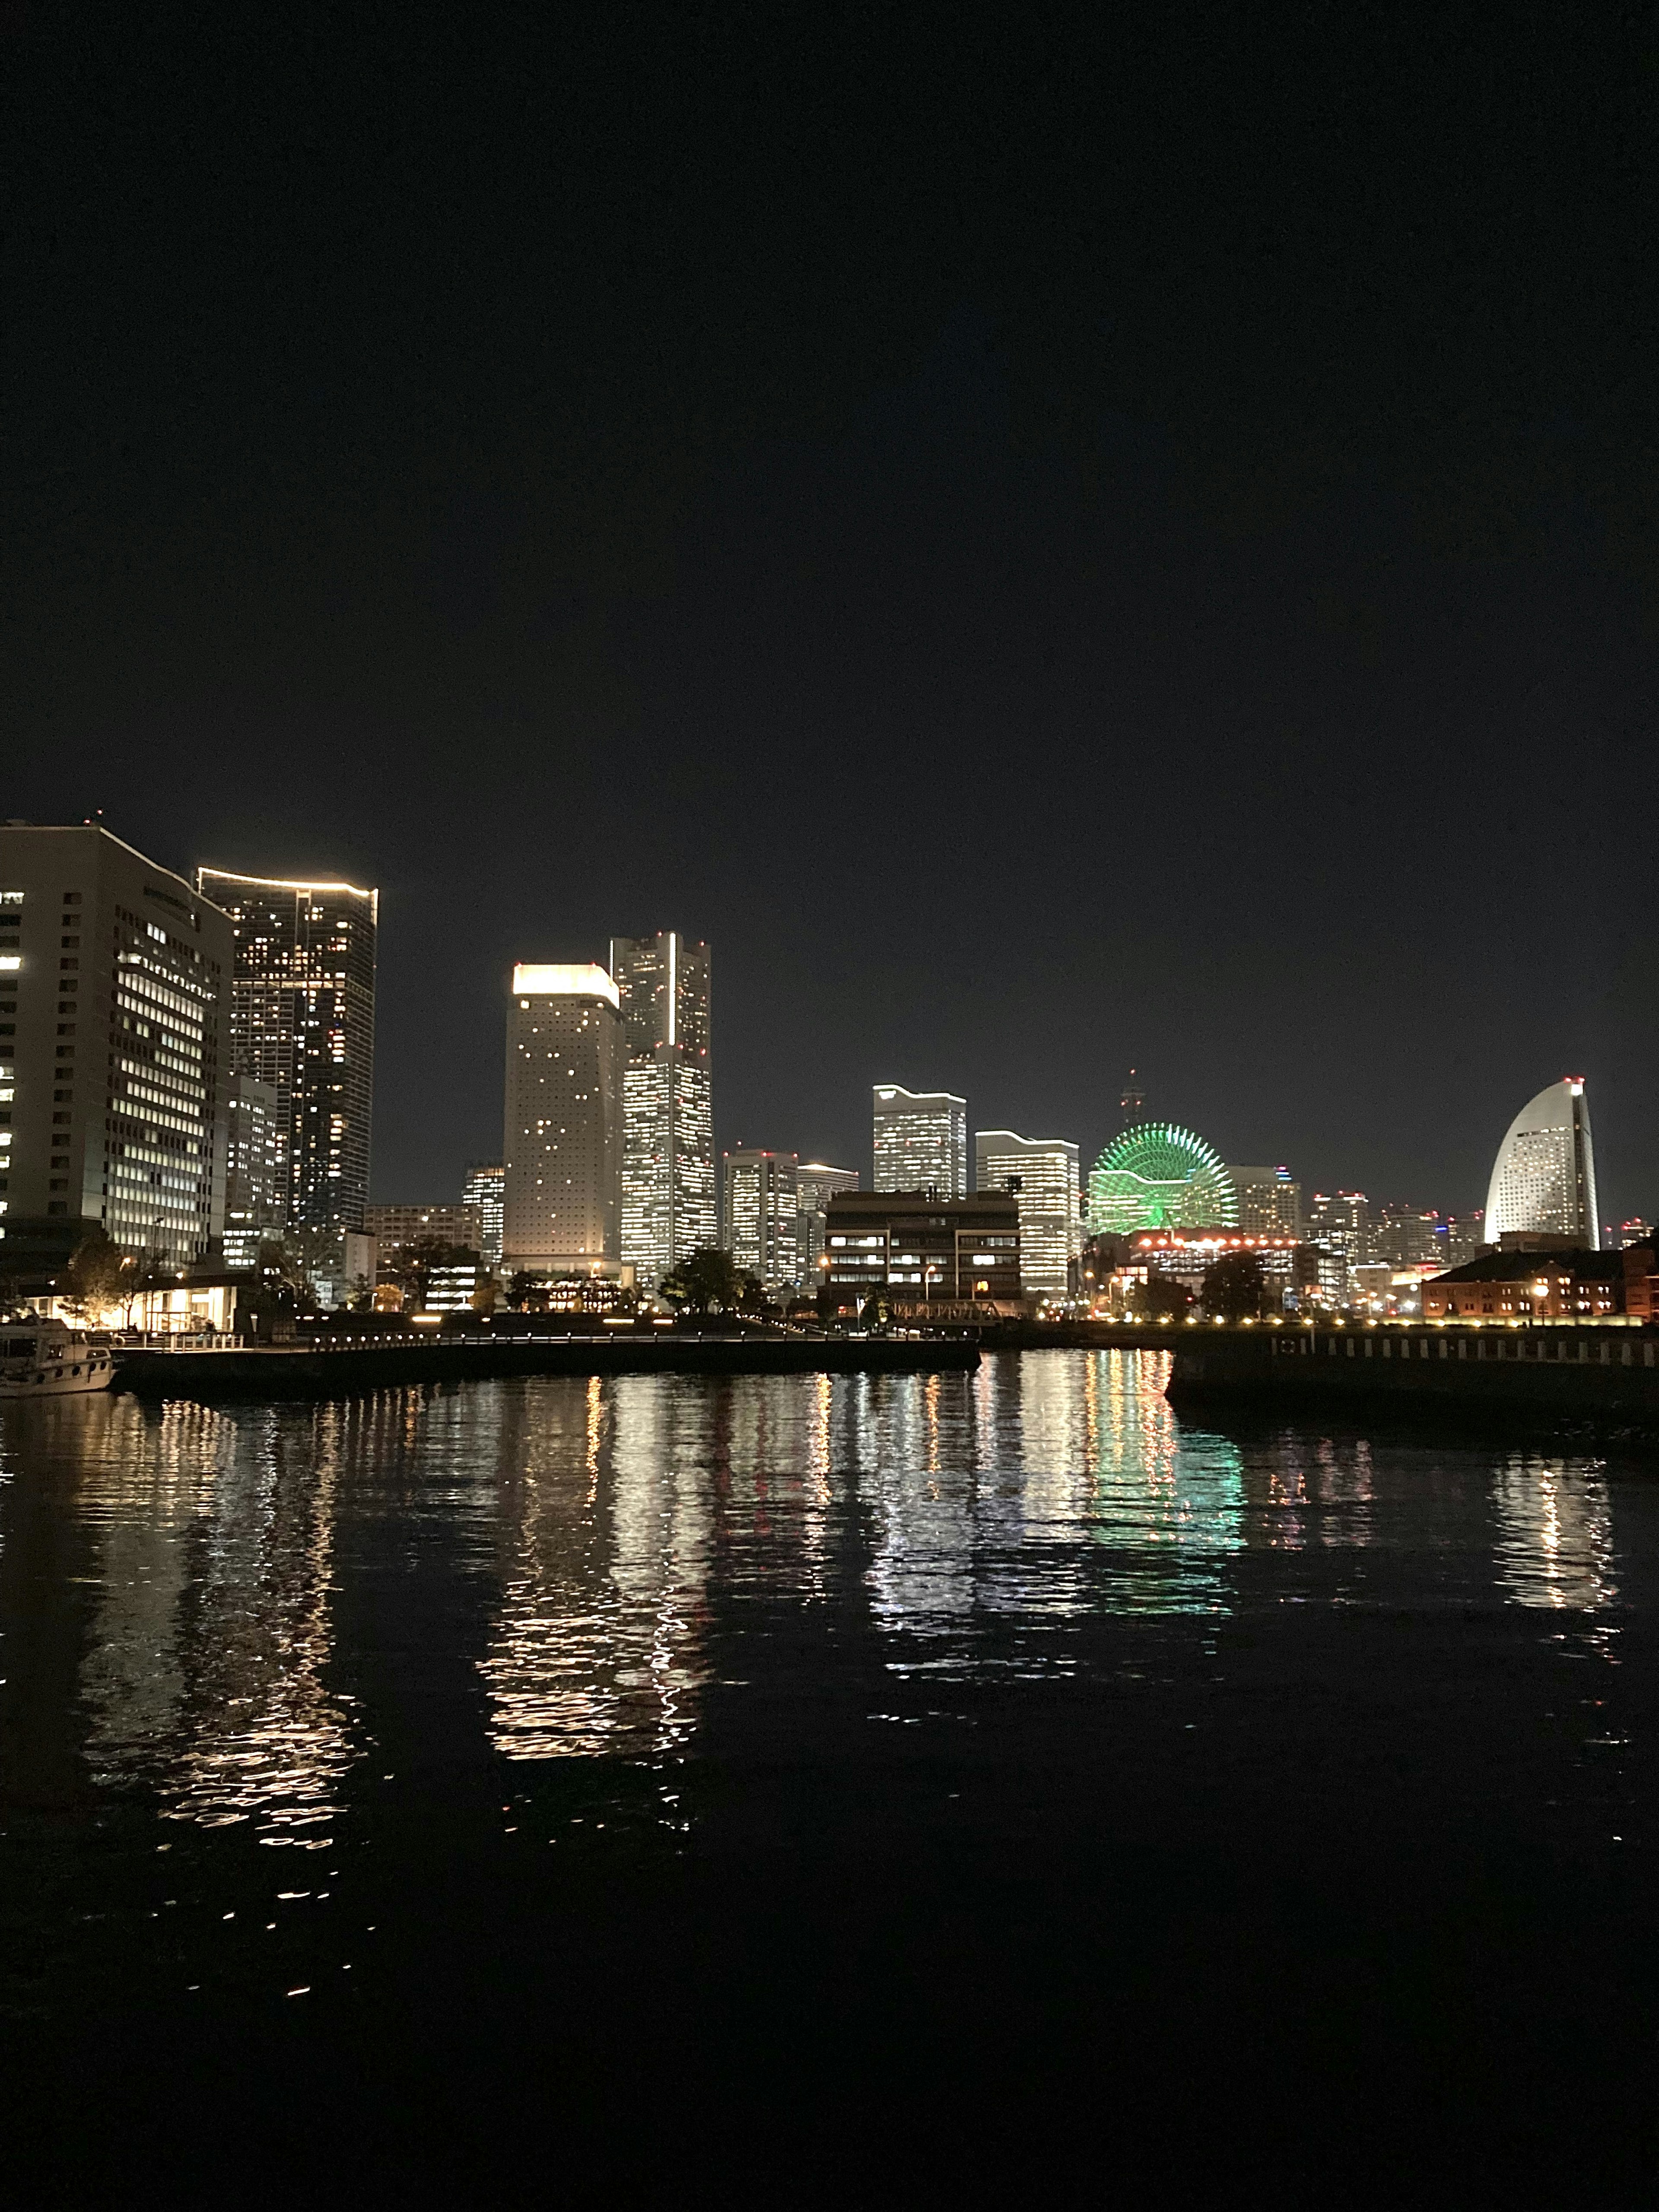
[669, 1791]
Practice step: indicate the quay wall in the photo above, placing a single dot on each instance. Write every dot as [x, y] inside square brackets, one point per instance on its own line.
[295, 1371]
[1600, 1376]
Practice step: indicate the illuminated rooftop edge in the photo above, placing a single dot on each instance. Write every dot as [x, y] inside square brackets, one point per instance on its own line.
[287, 883]
[575, 980]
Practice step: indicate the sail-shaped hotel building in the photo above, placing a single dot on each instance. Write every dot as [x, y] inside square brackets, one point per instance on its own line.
[1544, 1176]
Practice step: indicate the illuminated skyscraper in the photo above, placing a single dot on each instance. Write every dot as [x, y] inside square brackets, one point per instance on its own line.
[759, 1202]
[668, 1208]
[483, 1188]
[303, 1021]
[1544, 1176]
[1042, 1174]
[115, 982]
[921, 1140]
[1269, 1203]
[256, 1204]
[561, 1194]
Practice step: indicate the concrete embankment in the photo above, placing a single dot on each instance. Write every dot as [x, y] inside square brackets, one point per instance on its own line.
[299, 1372]
[1597, 1378]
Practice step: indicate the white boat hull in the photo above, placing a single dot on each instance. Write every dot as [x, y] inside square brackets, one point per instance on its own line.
[79, 1370]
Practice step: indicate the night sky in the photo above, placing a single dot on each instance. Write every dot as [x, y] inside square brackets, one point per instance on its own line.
[1053, 540]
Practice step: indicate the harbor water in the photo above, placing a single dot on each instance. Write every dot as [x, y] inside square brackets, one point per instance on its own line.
[805, 1781]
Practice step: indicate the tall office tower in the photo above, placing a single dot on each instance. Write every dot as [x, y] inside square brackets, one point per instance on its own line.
[815, 1185]
[562, 1159]
[759, 1201]
[1042, 1174]
[1269, 1203]
[1339, 1224]
[1544, 1177]
[1131, 1106]
[668, 1153]
[483, 1188]
[303, 1021]
[1408, 1237]
[115, 1020]
[255, 1207]
[921, 1140]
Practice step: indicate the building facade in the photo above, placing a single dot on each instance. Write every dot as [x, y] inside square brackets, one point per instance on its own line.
[1269, 1201]
[563, 1157]
[1544, 1176]
[668, 1205]
[760, 1208]
[921, 1140]
[255, 1202]
[393, 1225]
[1041, 1174]
[815, 1184]
[115, 1006]
[1560, 1285]
[483, 1188]
[924, 1256]
[1339, 1223]
[303, 1022]
[1290, 1269]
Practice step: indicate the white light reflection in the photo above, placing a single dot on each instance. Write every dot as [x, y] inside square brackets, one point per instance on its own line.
[596, 1649]
[1554, 1541]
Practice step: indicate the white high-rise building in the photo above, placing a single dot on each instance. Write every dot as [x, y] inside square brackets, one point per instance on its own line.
[760, 1202]
[1544, 1176]
[921, 1140]
[1042, 1174]
[562, 1180]
[115, 1034]
[483, 1188]
[668, 1206]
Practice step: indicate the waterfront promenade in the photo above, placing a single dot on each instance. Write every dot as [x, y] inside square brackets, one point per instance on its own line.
[344, 1366]
[1599, 1375]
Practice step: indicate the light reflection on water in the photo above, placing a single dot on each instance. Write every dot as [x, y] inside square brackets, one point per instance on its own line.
[607, 1531]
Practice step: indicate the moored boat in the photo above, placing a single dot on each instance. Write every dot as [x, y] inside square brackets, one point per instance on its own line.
[45, 1359]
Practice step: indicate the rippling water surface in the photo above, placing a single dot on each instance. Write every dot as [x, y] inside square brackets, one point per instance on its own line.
[796, 1755]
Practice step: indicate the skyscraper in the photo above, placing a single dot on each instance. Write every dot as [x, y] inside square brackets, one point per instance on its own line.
[115, 1006]
[921, 1140]
[760, 1204]
[562, 1159]
[1042, 1174]
[1269, 1203]
[303, 1021]
[815, 1184]
[1544, 1176]
[668, 1205]
[255, 1202]
[483, 1188]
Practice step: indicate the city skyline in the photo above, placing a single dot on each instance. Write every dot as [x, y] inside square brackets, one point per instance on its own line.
[1416, 1188]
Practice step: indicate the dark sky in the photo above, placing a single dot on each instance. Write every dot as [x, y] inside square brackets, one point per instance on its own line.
[1052, 539]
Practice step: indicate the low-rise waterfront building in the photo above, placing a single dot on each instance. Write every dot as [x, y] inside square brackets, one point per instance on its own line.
[1290, 1268]
[923, 1254]
[1572, 1285]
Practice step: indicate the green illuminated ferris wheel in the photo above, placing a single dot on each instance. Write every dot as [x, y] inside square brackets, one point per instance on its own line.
[1159, 1176]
